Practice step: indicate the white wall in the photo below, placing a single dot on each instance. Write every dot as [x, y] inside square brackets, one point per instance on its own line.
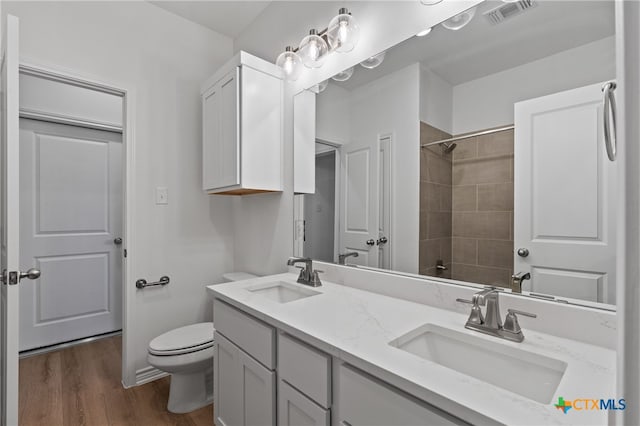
[391, 105]
[436, 101]
[488, 101]
[333, 115]
[163, 59]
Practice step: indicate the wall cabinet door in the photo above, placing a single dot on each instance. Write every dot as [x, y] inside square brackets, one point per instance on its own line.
[244, 391]
[295, 409]
[220, 146]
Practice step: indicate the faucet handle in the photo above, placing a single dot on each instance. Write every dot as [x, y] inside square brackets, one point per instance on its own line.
[470, 302]
[475, 316]
[511, 321]
[315, 278]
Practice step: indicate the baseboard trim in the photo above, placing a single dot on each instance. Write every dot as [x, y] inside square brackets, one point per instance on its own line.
[148, 374]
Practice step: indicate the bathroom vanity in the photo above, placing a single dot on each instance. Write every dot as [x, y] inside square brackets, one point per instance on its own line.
[342, 355]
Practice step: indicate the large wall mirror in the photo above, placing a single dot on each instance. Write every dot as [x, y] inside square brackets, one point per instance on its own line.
[474, 154]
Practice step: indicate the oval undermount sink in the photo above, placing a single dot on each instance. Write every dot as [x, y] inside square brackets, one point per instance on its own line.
[528, 374]
[282, 292]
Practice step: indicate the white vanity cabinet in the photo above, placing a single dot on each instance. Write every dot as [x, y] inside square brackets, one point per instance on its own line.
[242, 128]
[244, 369]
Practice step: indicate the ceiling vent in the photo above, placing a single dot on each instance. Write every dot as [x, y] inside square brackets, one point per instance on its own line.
[508, 10]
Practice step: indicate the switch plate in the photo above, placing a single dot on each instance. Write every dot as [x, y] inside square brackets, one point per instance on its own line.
[162, 195]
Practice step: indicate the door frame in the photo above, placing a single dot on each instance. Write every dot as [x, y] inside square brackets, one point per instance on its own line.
[336, 149]
[128, 94]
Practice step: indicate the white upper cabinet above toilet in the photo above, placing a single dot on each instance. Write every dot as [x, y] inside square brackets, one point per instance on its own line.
[242, 128]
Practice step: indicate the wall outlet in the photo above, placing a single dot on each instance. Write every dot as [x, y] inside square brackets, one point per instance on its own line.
[162, 195]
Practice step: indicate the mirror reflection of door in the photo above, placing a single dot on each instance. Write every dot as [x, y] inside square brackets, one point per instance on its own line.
[320, 208]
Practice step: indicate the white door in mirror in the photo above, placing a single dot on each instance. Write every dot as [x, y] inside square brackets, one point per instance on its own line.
[565, 196]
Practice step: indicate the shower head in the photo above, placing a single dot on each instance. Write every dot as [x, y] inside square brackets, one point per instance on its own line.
[448, 147]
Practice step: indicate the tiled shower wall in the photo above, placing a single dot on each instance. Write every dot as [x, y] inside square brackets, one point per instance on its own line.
[482, 243]
[435, 204]
[466, 208]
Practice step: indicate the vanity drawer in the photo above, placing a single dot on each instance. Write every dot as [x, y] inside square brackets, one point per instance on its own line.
[250, 334]
[305, 368]
[367, 401]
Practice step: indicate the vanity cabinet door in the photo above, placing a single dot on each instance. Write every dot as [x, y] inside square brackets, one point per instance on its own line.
[227, 383]
[258, 393]
[244, 390]
[295, 409]
[366, 401]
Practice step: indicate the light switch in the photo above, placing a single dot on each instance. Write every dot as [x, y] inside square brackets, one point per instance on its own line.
[162, 195]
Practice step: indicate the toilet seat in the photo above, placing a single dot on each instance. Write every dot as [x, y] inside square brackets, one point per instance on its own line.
[183, 340]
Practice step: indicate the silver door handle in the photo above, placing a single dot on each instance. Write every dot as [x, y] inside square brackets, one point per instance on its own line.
[117, 241]
[609, 116]
[523, 252]
[370, 242]
[32, 274]
[382, 240]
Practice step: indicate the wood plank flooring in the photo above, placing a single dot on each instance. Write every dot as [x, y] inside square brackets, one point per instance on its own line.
[81, 385]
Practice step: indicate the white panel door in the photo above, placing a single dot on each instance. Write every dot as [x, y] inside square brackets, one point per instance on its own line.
[359, 206]
[10, 255]
[565, 196]
[71, 211]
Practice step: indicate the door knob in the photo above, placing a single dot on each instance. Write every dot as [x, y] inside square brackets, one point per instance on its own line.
[117, 241]
[382, 240]
[523, 252]
[32, 274]
[370, 242]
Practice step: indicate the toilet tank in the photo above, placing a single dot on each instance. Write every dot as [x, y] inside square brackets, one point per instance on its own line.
[237, 276]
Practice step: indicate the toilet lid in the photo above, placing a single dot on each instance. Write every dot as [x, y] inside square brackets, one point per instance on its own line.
[181, 340]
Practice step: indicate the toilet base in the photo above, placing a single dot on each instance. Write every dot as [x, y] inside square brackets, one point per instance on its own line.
[189, 392]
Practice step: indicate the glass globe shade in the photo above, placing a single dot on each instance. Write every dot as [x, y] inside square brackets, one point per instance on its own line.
[373, 61]
[319, 88]
[343, 75]
[343, 32]
[290, 63]
[460, 20]
[313, 50]
[430, 2]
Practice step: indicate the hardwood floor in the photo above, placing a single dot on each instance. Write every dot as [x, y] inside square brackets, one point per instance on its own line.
[81, 386]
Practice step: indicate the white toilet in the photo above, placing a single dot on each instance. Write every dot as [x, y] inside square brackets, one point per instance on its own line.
[187, 354]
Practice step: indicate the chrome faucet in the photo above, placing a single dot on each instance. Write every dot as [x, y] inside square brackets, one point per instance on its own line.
[308, 276]
[516, 280]
[491, 322]
[343, 257]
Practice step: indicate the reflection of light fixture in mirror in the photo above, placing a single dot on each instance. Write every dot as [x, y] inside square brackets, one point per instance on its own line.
[343, 75]
[424, 32]
[290, 63]
[319, 88]
[430, 2]
[343, 32]
[313, 50]
[460, 20]
[373, 61]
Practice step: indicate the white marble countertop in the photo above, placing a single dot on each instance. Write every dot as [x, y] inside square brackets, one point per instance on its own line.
[357, 326]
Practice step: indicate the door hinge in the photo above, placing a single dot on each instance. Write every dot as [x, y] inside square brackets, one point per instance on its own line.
[125, 252]
[13, 278]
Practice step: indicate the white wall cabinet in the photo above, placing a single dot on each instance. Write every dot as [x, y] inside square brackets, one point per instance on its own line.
[244, 390]
[242, 128]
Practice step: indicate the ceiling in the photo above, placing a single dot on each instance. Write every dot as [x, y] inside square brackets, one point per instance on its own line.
[226, 17]
[480, 48]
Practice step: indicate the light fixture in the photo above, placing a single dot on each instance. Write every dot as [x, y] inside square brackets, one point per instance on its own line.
[373, 61]
[424, 32]
[319, 88]
[430, 2]
[290, 63]
[313, 50]
[343, 32]
[343, 75]
[460, 20]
